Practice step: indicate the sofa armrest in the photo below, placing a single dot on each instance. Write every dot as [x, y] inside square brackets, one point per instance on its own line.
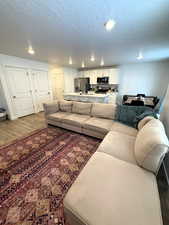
[50, 108]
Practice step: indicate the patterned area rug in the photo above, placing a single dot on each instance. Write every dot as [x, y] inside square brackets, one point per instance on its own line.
[36, 173]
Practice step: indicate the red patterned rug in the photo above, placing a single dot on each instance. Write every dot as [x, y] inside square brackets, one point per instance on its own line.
[36, 173]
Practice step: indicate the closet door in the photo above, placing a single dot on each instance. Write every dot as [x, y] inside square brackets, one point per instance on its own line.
[41, 85]
[18, 82]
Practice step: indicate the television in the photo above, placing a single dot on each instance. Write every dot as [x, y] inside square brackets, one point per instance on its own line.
[103, 80]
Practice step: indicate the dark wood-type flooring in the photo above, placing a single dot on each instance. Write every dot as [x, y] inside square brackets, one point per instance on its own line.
[11, 130]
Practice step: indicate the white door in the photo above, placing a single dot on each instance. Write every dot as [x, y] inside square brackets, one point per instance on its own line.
[42, 90]
[57, 85]
[18, 81]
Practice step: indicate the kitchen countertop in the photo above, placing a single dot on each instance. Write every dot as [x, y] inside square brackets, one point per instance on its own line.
[89, 95]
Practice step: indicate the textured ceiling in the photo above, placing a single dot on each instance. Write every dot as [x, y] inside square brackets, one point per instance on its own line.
[58, 29]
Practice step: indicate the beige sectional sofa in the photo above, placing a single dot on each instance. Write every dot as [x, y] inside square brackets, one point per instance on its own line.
[94, 119]
[118, 184]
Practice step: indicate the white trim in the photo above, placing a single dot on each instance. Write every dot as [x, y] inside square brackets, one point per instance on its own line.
[16, 67]
[6, 93]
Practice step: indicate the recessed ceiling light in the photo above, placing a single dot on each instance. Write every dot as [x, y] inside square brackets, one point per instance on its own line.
[109, 25]
[70, 60]
[83, 65]
[102, 63]
[92, 58]
[140, 56]
[31, 51]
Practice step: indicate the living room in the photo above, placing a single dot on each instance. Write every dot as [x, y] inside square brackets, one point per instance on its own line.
[84, 112]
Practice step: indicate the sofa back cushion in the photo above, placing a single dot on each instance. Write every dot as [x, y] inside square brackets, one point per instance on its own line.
[65, 106]
[103, 110]
[151, 145]
[144, 121]
[81, 108]
[51, 107]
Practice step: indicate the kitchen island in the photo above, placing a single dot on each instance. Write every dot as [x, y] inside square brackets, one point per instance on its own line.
[93, 97]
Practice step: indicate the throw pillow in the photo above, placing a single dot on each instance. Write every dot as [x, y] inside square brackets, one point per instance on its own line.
[127, 114]
[143, 115]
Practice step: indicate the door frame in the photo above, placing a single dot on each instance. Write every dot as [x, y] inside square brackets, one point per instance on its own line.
[5, 87]
[32, 71]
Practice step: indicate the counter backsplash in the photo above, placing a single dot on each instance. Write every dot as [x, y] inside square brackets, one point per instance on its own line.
[105, 86]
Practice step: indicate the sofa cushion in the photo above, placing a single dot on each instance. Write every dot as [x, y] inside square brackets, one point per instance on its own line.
[110, 191]
[58, 116]
[50, 108]
[65, 106]
[119, 145]
[124, 129]
[151, 145]
[144, 121]
[98, 124]
[75, 119]
[127, 114]
[103, 110]
[81, 108]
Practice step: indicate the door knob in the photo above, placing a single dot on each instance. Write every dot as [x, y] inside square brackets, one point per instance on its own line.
[14, 96]
[48, 93]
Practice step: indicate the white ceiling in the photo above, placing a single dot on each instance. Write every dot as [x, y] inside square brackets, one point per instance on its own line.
[58, 29]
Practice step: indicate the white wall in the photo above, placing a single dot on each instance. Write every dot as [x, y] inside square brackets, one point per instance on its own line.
[149, 78]
[69, 76]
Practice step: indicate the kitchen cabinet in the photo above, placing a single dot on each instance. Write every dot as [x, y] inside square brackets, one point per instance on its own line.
[86, 73]
[81, 74]
[89, 74]
[113, 76]
[93, 79]
[99, 73]
[94, 74]
[104, 73]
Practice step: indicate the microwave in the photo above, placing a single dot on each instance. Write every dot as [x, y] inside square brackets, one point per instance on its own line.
[103, 80]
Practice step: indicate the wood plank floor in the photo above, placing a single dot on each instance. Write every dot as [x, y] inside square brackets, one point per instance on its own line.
[11, 130]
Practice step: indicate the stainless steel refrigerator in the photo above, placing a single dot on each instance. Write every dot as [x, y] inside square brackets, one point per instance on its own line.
[82, 84]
